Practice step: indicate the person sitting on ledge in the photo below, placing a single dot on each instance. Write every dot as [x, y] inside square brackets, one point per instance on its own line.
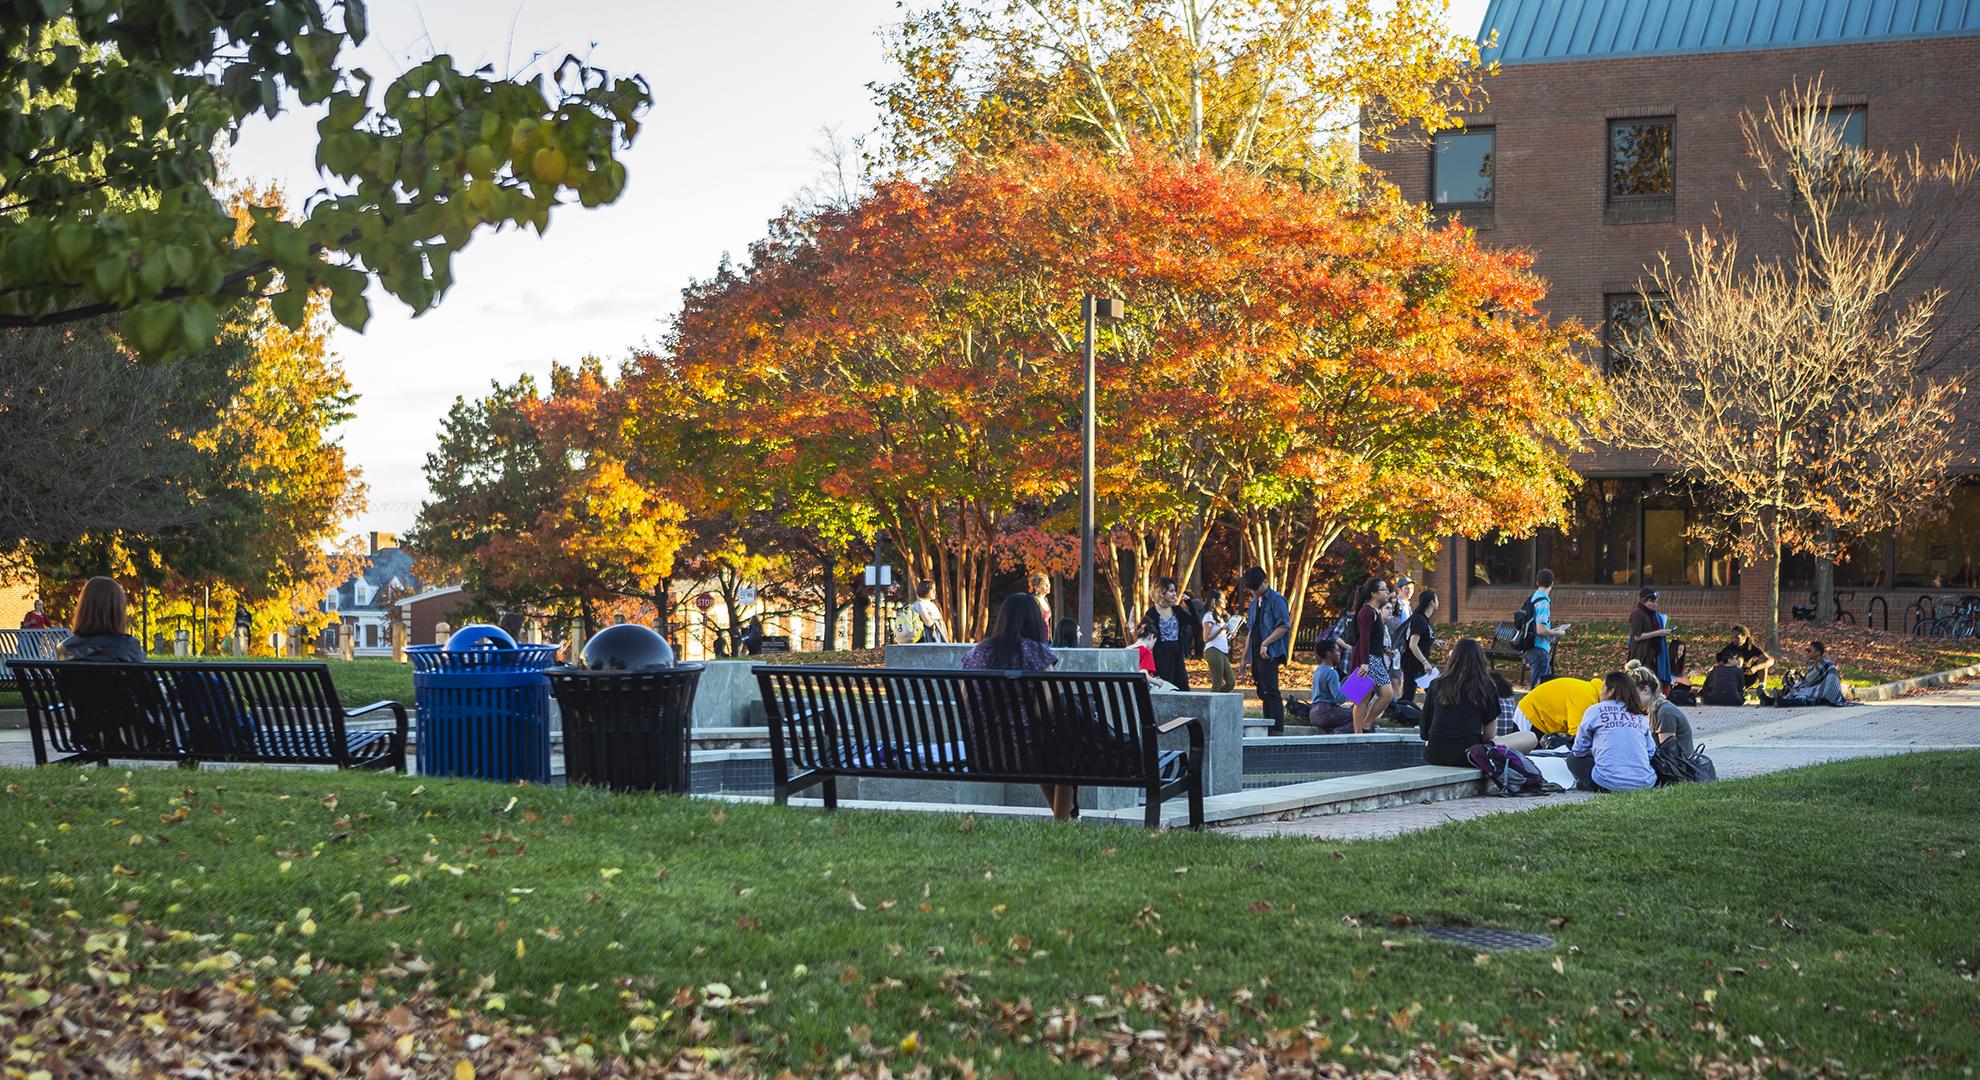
[1820, 683]
[1461, 708]
[102, 629]
[1068, 636]
[1667, 721]
[1330, 711]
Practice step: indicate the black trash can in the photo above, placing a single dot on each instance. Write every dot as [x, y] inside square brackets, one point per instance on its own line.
[628, 730]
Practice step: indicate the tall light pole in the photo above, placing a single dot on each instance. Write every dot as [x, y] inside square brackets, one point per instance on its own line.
[1094, 308]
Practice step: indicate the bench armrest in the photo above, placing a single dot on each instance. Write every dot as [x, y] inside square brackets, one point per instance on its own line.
[398, 711]
[1196, 734]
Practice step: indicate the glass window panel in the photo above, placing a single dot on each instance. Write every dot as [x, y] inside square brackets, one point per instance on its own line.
[1598, 547]
[1797, 572]
[1640, 159]
[1664, 561]
[1944, 554]
[1461, 168]
[1497, 561]
[1625, 315]
[1863, 567]
[1851, 122]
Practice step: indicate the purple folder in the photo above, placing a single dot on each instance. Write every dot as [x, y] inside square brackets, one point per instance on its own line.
[1357, 687]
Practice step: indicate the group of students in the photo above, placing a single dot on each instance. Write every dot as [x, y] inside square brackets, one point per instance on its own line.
[1389, 636]
[1612, 726]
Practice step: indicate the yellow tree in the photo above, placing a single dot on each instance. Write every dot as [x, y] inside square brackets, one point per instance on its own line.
[1261, 84]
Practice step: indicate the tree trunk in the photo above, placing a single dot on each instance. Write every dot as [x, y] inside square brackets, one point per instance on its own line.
[831, 633]
[1773, 626]
[1825, 583]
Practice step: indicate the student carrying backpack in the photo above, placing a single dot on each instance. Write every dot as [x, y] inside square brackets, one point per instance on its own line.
[1345, 631]
[908, 626]
[1524, 620]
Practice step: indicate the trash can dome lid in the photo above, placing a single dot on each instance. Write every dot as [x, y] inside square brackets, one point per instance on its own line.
[627, 647]
[480, 636]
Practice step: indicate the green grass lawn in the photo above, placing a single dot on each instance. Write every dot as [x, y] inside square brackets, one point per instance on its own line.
[1825, 915]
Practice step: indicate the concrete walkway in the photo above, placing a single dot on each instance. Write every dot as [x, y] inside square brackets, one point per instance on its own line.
[1741, 742]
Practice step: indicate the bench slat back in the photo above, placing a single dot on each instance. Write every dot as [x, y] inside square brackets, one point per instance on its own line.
[214, 710]
[27, 644]
[98, 708]
[1086, 726]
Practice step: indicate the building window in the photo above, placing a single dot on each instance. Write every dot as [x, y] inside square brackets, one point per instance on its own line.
[1837, 157]
[1851, 122]
[1501, 561]
[1946, 553]
[1640, 161]
[1619, 532]
[1461, 169]
[1626, 317]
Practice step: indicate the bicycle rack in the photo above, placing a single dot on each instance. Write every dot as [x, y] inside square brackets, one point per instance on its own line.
[1870, 613]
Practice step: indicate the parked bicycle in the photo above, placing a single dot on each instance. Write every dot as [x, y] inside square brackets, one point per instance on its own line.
[1807, 614]
[1954, 617]
[1962, 621]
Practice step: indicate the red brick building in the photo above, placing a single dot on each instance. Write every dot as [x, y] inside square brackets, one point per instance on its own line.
[1612, 130]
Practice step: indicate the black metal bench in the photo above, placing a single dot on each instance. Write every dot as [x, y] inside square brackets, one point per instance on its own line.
[275, 714]
[1085, 729]
[1501, 647]
[26, 644]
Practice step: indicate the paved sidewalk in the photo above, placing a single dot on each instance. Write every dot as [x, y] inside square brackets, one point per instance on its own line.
[1741, 742]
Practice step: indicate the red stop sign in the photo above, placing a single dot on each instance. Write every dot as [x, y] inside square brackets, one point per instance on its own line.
[705, 601]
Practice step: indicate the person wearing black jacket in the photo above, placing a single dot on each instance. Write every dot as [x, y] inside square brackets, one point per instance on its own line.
[101, 633]
[1174, 631]
[1461, 709]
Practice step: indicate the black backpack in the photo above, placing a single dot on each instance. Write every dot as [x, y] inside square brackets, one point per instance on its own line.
[1524, 637]
[1673, 766]
[1724, 685]
[1345, 631]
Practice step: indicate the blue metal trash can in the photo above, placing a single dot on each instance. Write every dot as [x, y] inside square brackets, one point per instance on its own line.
[484, 707]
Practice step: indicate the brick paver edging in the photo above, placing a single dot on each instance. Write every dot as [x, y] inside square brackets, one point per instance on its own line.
[1892, 690]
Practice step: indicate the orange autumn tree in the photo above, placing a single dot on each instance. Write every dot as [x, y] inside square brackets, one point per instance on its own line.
[534, 505]
[1299, 361]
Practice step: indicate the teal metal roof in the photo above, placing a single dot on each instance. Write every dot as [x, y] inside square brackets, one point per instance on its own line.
[1538, 31]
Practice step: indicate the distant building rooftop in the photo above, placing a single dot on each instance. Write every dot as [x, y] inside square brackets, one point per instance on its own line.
[1540, 31]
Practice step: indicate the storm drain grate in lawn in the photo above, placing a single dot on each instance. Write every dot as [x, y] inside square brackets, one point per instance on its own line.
[1486, 937]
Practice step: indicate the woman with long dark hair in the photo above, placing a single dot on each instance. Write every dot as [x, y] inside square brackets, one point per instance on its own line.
[1612, 747]
[1419, 640]
[1461, 709]
[102, 627]
[1371, 652]
[1018, 644]
[1174, 630]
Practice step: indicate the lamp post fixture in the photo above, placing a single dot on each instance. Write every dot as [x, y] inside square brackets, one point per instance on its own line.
[1094, 308]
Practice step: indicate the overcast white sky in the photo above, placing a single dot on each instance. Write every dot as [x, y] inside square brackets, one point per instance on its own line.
[741, 90]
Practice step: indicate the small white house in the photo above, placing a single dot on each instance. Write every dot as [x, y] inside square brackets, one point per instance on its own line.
[363, 604]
